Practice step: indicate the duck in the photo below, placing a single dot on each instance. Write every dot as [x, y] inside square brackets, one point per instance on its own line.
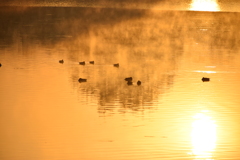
[129, 83]
[82, 80]
[139, 83]
[128, 79]
[0, 64]
[205, 79]
[82, 63]
[91, 62]
[61, 61]
[116, 65]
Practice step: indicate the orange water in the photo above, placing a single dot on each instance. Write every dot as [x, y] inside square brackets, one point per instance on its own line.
[46, 114]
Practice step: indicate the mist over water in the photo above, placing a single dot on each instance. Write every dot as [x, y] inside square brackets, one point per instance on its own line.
[46, 113]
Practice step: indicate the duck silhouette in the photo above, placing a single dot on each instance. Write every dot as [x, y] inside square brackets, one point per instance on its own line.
[128, 79]
[91, 62]
[205, 79]
[0, 64]
[139, 83]
[116, 65]
[82, 80]
[82, 63]
[61, 61]
[129, 83]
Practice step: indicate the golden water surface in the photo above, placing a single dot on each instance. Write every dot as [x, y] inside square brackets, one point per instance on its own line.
[46, 114]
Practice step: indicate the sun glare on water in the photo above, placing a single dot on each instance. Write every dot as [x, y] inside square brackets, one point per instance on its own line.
[203, 136]
[204, 5]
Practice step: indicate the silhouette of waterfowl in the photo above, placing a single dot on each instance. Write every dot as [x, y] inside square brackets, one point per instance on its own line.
[61, 61]
[129, 83]
[139, 83]
[91, 62]
[0, 64]
[82, 80]
[128, 79]
[116, 65]
[205, 79]
[82, 63]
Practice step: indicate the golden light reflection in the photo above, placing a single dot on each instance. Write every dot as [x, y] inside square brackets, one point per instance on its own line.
[203, 136]
[204, 5]
[206, 71]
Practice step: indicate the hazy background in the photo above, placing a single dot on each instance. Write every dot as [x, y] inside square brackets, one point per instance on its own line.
[225, 5]
[46, 114]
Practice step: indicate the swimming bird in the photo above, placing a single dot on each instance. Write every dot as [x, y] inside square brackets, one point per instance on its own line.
[82, 80]
[82, 63]
[128, 79]
[129, 83]
[0, 64]
[205, 79]
[61, 61]
[139, 83]
[91, 62]
[116, 65]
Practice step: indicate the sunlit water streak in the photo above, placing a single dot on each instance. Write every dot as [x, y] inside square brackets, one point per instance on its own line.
[204, 136]
[204, 5]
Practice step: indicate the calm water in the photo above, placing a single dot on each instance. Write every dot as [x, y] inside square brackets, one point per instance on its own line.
[46, 114]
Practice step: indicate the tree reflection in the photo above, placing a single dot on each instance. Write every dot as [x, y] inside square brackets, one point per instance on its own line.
[147, 44]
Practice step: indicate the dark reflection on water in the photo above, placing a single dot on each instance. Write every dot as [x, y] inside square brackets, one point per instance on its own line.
[168, 51]
[51, 25]
[123, 36]
[147, 44]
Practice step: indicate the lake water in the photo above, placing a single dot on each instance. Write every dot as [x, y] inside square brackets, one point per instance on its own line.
[46, 114]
